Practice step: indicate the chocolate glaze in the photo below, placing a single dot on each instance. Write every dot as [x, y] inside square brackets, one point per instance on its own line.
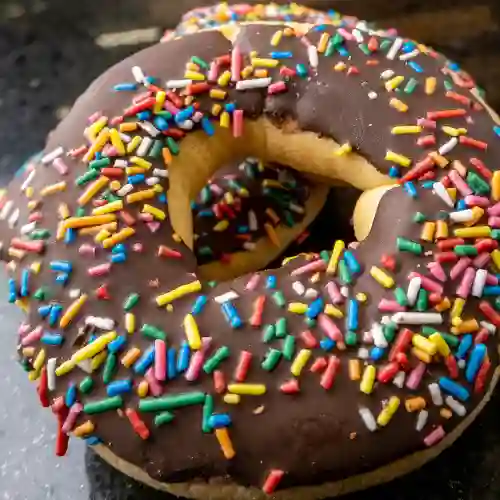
[316, 435]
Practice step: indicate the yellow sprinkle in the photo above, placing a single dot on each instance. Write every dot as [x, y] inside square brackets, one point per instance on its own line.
[473, 232]
[224, 119]
[114, 206]
[84, 429]
[261, 73]
[63, 211]
[110, 226]
[176, 238]
[340, 66]
[176, 293]
[441, 230]
[221, 226]
[247, 389]
[117, 142]
[130, 357]
[333, 311]
[61, 231]
[72, 311]
[428, 230]
[246, 72]
[354, 369]
[39, 360]
[216, 109]
[323, 42]
[29, 192]
[134, 144]
[218, 94]
[259, 62]
[224, 79]
[430, 85]
[444, 305]
[102, 235]
[338, 248]
[452, 131]
[134, 170]
[415, 404]
[194, 75]
[343, 150]
[142, 389]
[78, 222]
[130, 323]
[398, 105]
[128, 126]
[445, 413]
[300, 362]
[441, 345]
[120, 236]
[23, 304]
[192, 332]
[65, 367]
[439, 160]
[276, 38]
[297, 307]
[421, 355]
[477, 213]
[145, 194]
[16, 254]
[495, 257]
[96, 127]
[53, 188]
[225, 443]
[393, 157]
[115, 185]
[32, 204]
[361, 297]
[137, 160]
[155, 212]
[28, 352]
[495, 186]
[453, 193]
[229, 198]
[91, 350]
[424, 344]
[160, 101]
[192, 66]
[406, 129]
[467, 326]
[381, 277]
[232, 399]
[384, 417]
[458, 307]
[368, 379]
[394, 83]
[35, 266]
[33, 375]
[98, 360]
[97, 145]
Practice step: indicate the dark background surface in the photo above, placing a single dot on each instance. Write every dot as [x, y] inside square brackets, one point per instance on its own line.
[50, 50]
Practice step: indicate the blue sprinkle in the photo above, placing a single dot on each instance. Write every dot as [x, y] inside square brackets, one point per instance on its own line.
[352, 262]
[217, 421]
[352, 322]
[70, 396]
[462, 204]
[25, 282]
[496, 129]
[271, 281]
[69, 236]
[199, 304]
[171, 369]
[162, 198]
[207, 126]
[301, 70]
[427, 184]
[184, 114]
[12, 290]
[92, 338]
[205, 213]
[230, 107]
[315, 308]
[231, 314]
[453, 66]
[343, 51]
[464, 346]
[408, 47]
[136, 179]
[62, 278]
[491, 290]
[115, 345]
[55, 312]
[453, 388]
[194, 205]
[98, 155]
[394, 172]
[144, 115]
[118, 258]
[410, 189]
[92, 440]
[145, 361]
[281, 55]
[52, 339]
[377, 353]
[119, 248]
[120, 87]
[62, 266]
[242, 229]
[327, 344]
[416, 67]
[160, 123]
[183, 357]
[44, 311]
[150, 79]
[475, 361]
[118, 387]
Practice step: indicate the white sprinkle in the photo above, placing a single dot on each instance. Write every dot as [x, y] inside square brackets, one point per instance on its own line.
[409, 55]
[13, 218]
[138, 74]
[392, 52]
[311, 293]
[51, 374]
[440, 190]
[4, 213]
[178, 84]
[489, 326]
[298, 288]
[248, 245]
[344, 291]
[144, 146]
[413, 290]
[448, 146]
[367, 337]
[85, 365]
[252, 221]
[160, 172]
[50, 157]
[378, 335]
[372, 95]
[27, 228]
[417, 318]
[28, 180]
[74, 293]
[121, 163]
[357, 35]
[457, 407]
[151, 181]
[422, 417]
[388, 73]
[125, 138]
[150, 129]
[479, 282]
[368, 418]
[101, 323]
[312, 54]
[296, 208]
[124, 190]
[186, 125]
[461, 363]
[399, 379]
[363, 353]
[436, 396]
[225, 297]
[462, 216]
[256, 83]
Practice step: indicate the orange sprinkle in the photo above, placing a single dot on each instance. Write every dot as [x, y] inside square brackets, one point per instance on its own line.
[271, 233]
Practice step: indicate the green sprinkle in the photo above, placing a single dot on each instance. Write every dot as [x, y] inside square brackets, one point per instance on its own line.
[419, 218]
[40, 294]
[214, 361]
[103, 405]
[448, 85]
[410, 86]
[271, 360]
[330, 48]
[463, 250]
[110, 197]
[422, 300]
[289, 220]
[98, 164]
[497, 303]
[389, 331]
[208, 408]
[364, 48]
[131, 301]
[344, 274]
[155, 151]
[212, 284]
[152, 332]
[205, 251]
[386, 44]
[86, 385]
[88, 176]
[164, 114]
[477, 184]
[337, 40]
[325, 256]
[206, 195]
[400, 296]
[495, 234]
[269, 333]
[289, 347]
[200, 62]
[450, 339]
[172, 146]
[351, 338]
[164, 417]
[80, 212]
[279, 299]
[109, 368]
[310, 322]
[39, 234]
[281, 328]
[26, 365]
[405, 245]
[171, 402]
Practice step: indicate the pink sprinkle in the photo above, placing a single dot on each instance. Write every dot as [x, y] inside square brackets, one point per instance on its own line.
[462, 187]
[170, 107]
[154, 386]
[253, 282]
[86, 249]
[94, 117]
[334, 293]
[491, 279]
[477, 201]
[429, 124]
[160, 360]
[142, 97]
[34, 336]
[415, 376]
[436, 269]
[109, 150]
[427, 283]
[138, 247]
[35, 217]
[386, 305]
[329, 328]
[495, 209]
[23, 329]
[146, 217]
[153, 226]
[460, 267]
[100, 270]
[116, 120]
[276, 88]
[236, 62]
[195, 365]
[481, 260]
[213, 72]
[494, 222]
[60, 166]
[463, 290]
[70, 421]
[317, 265]
[435, 436]
[237, 123]
[198, 115]
[345, 34]
[217, 190]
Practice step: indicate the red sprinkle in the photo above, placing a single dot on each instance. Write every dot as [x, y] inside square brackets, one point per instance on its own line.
[458, 97]
[164, 251]
[102, 293]
[421, 168]
[446, 113]
[451, 365]
[137, 423]
[449, 244]
[482, 374]
[28, 246]
[43, 389]
[272, 481]
[402, 343]
[388, 261]
[489, 312]
[62, 440]
[426, 141]
[197, 88]
[141, 106]
[388, 372]
[319, 365]
[175, 133]
[309, 339]
[219, 382]
[330, 372]
[373, 44]
[481, 168]
[174, 98]
[243, 366]
[481, 336]
[290, 387]
[486, 245]
[469, 141]
[258, 310]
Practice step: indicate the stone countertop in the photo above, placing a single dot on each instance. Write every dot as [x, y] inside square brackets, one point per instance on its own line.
[50, 50]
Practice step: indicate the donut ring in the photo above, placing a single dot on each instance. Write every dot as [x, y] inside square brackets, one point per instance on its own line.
[400, 331]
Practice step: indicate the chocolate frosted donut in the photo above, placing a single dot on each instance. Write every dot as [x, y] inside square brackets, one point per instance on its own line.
[329, 374]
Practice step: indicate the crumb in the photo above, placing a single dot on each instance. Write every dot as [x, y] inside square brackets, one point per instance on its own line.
[154, 283]
[259, 410]
[353, 435]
